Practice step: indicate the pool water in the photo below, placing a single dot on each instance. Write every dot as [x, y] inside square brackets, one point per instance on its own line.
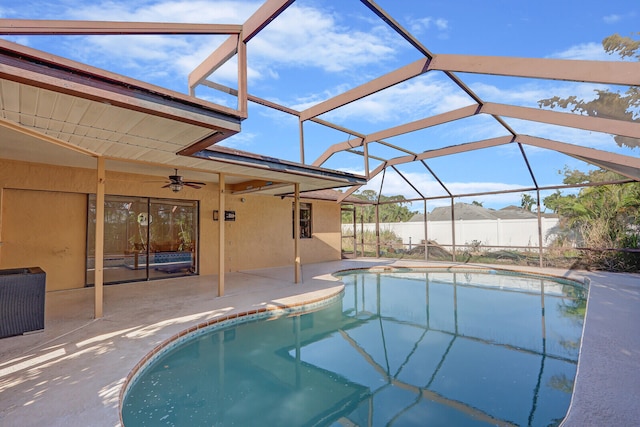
[396, 349]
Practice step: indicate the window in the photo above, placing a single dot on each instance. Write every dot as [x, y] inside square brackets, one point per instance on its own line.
[305, 220]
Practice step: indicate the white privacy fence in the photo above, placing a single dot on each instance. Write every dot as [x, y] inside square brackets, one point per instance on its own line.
[498, 232]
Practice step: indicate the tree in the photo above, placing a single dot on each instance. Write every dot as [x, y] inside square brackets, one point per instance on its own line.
[476, 203]
[527, 202]
[601, 217]
[607, 104]
[554, 200]
[388, 212]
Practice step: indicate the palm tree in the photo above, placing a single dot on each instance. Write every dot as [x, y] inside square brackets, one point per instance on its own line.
[527, 202]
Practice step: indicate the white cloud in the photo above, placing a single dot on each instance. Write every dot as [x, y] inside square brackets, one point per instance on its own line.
[417, 98]
[442, 24]
[422, 25]
[586, 51]
[611, 19]
[221, 12]
[242, 141]
[216, 97]
[562, 134]
[307, 37]
[226, 74]
[529, 92]
[303, 102]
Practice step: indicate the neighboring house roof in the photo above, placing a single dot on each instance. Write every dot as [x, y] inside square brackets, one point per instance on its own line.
[417, 218]
[462, 211]
[468, 212]
[514, 212]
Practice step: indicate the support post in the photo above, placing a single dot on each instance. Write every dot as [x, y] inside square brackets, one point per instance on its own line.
[539, 230]
[453, 231]
[221, 238]
[242, 77]
[355, 233]
[296, 234]
[367, 173]
[362, 231]
[301, 127]
[377, 231]
[99, 249]
[426, 234]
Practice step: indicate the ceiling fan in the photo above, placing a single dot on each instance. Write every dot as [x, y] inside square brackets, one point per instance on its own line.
[176, 183]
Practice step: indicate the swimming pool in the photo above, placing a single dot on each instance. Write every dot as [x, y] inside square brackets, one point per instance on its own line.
[406, 347]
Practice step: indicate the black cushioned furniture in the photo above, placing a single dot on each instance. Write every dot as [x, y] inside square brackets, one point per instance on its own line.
[21, 300]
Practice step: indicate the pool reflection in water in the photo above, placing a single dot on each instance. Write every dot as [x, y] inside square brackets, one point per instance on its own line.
[410, 348]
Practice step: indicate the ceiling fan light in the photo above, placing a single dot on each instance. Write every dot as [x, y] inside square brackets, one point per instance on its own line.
[175, 186]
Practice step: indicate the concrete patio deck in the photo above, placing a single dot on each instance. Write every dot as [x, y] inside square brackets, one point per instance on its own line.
[71, 374]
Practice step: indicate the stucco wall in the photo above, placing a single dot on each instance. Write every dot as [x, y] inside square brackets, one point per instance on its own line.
[326, 241]
[262, 234]
[39, 230]
[43, 222]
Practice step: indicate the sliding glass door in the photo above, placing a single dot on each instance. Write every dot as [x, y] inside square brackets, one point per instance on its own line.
[144, 238]
[172, 238]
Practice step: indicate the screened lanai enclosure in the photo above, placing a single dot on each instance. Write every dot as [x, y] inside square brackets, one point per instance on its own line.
[472, 145]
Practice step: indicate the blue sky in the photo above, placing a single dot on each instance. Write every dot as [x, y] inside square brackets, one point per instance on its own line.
[318, 49]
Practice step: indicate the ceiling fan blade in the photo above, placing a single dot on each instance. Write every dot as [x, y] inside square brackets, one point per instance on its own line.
[166, 186]
[195, 182]
[192, 185]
